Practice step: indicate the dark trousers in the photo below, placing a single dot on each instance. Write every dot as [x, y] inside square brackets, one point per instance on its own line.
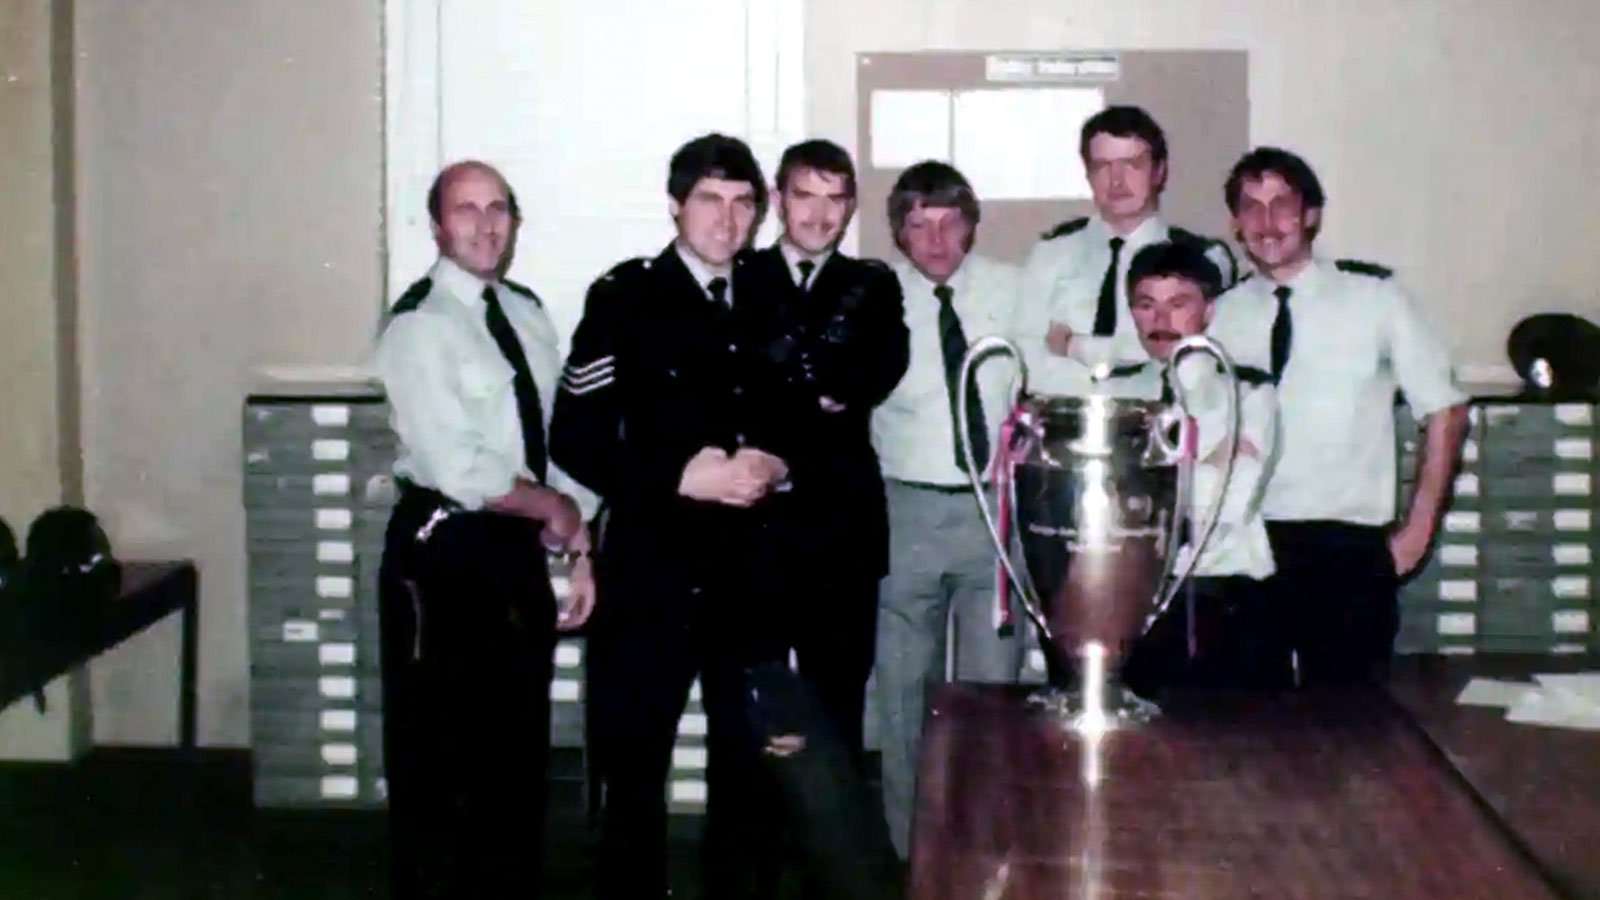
[1335, 595]
[834, 636]
[467, 624]
[645, 650]
[1219, 633]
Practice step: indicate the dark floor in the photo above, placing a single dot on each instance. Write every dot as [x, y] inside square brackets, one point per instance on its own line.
[134, 824]
[143, 824]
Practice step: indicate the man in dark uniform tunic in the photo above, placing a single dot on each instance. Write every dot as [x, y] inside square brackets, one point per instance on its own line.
[840, 347]
[661, 411]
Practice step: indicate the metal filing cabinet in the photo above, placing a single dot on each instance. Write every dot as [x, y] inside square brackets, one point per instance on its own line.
[318, 494]
[1513, 569]
[317, 491]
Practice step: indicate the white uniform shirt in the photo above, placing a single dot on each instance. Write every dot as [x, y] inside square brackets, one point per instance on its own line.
[450, 390]
[913, 430]
[1356, 337]
[1061, 283]
[1238, 545]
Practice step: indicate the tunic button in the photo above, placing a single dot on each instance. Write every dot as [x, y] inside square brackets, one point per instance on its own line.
[739, 439]
[738, 390]
[733, 348]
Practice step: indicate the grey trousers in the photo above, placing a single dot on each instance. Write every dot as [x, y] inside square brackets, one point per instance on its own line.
[941, 574]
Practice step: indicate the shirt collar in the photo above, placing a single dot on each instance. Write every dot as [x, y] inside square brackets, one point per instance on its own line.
[1151, 230]
[1304, 281]
[461, 284]
[921, 287]
[793, 256]
[698, 269]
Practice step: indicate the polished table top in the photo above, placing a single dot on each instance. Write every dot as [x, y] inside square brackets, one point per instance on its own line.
[1543, 783]
[1336, 794]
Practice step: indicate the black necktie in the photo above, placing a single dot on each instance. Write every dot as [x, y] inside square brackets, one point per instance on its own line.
[1105, 315]
[806, 267]
[718, 287]
[1282, 332]
[953, 346]
[529, 411]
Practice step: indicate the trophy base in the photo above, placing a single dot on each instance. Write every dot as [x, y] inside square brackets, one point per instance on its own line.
[1088, 712]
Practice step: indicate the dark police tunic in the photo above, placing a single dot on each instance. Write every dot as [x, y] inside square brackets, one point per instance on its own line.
[658, 371]
[844, 338]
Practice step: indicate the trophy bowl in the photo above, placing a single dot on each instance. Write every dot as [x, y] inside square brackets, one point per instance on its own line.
[1094, 497]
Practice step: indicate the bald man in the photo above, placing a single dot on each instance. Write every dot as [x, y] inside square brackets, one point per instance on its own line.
[466, 610]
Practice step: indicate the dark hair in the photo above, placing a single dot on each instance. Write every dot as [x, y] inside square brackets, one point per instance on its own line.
[1291, 168]
[715, 156]
[931, 183]
[1124, 122]
[1175, 259]
[436, 190]
[820, 156]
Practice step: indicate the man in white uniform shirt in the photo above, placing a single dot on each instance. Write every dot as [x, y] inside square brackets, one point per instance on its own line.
[467, 613]
[1074, 312]
[1217, 632]
[941, 562]
[1339, 338]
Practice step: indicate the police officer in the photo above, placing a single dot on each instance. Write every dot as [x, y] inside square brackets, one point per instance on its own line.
[1338, 337]
[1217, 632]
[941, 562]
[841, 342]
[467, 614]
[661, 411]
[1074, 311]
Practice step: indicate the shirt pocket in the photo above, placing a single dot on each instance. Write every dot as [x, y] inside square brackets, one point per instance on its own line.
[481, 381]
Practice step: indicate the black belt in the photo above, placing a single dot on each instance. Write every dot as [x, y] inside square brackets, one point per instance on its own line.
[413, 493]
[936, 488]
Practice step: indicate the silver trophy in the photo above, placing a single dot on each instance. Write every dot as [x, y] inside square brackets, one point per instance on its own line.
[1093, 491]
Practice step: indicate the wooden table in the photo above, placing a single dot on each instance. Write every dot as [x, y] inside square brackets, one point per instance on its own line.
[1335, 794]
[150, 592]
[1543, 783]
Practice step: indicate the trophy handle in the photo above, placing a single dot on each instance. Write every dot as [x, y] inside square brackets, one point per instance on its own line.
[981, 348]
[1208, 523]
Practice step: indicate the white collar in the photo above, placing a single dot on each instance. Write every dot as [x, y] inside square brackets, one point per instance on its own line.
[461, 284]
[1149, 231]
[794, 256]
[699, 270]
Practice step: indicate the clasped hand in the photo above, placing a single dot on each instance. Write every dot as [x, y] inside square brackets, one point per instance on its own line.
[739, 480]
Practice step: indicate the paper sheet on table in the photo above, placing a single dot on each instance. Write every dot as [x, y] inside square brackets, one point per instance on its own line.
[1556, 709]
[1581, 687]
[1493, 692]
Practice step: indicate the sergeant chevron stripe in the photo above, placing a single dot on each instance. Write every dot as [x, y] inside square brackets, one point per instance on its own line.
[590, 376]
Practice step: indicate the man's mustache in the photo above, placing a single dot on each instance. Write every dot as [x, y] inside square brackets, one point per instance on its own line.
[1164, 336]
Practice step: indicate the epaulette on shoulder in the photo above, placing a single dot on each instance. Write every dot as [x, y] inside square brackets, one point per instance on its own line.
[627, 268]
[1247, 277]
[1127, 369]
[1253, 376]
[1359, 267]
[413, 297]
[518, 287]
[1185, 236]
[1071, 226]
[876, 264]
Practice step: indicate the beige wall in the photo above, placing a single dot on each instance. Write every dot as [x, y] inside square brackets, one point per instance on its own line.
[41, 461]
[31, 350]
[230, 190]
[1457, 139]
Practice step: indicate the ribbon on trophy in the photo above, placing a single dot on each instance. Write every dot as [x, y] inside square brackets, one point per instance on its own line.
[1012, 449]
